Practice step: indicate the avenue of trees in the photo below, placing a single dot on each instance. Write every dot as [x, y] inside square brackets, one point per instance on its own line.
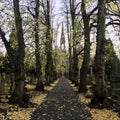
[29, 32]
[91, 17]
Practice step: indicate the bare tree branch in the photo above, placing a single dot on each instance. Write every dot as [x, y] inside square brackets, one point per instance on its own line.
[92, 11]
[28, 8]
[9, 49]
[79, 52]
[114, 22]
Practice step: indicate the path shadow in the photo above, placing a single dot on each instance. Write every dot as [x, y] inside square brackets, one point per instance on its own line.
[61, 104]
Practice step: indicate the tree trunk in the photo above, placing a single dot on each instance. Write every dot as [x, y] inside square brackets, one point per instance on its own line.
[85, 64]
[49, 69]
[39, 85]
[99, 68]
[19, 91]
[86, 58]
[70, 62]
[70, 58]
[18, 94]
[2, 84]
[74, 61]
[48, 48]
[12, 82]
[75, 66]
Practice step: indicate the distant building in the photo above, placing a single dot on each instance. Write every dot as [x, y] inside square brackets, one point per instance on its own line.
[62, 40]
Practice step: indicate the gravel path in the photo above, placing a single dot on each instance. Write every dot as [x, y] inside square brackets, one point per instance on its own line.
[61, 104]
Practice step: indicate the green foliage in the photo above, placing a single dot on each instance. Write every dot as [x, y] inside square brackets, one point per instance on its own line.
[9, 68]
[111, 60]
[77, 31]
[60, 60]
[1, 64]
[109, 51]
[13, 39]
[114, 7]
[6, 65]
[29, 60]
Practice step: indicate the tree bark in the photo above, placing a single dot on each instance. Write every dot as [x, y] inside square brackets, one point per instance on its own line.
[39, 85]
[74, 61]
[99, 65]
[19, 91]
[48, 48]
[86, 58]
[18, 95]
[75, 67]
[2, 83]
[70, 56]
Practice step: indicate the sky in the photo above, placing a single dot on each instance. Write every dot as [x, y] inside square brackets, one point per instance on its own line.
[59, 18]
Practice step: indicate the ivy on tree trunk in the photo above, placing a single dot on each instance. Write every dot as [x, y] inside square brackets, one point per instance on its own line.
[39, 85]
[48, 48]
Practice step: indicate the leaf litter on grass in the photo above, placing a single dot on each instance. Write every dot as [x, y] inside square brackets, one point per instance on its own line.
[13, 112]
[108, 113]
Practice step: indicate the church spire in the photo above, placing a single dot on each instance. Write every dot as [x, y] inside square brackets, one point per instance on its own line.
[62, 40]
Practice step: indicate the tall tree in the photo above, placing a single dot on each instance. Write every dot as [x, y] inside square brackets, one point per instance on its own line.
[99, 64]
[48, 46]
[86, 58]
[35, 14]
[74, 70]
[39, 85]
[68, 25]
[18, 94]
